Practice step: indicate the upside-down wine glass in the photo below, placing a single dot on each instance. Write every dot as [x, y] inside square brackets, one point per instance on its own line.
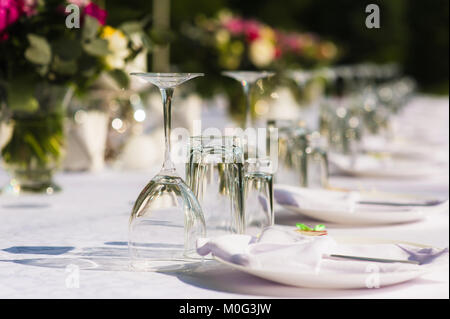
[166, 219]
[247, 80]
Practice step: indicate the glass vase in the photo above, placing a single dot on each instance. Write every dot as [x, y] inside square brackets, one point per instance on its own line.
[33, 147]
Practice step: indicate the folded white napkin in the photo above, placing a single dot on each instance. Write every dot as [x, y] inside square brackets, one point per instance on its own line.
[317, 199]
[279, 249]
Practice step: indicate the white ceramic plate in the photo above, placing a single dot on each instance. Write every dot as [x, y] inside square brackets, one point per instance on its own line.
[326, 210]
[370, 166]
[329, 280]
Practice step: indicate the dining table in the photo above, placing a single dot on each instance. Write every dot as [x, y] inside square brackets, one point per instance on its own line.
[74, 244]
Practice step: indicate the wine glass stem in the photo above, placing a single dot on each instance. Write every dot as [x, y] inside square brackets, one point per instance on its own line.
[167, 93]
[248, 114]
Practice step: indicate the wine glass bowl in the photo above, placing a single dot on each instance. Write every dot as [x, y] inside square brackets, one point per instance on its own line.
[247, 80]
[166, 219]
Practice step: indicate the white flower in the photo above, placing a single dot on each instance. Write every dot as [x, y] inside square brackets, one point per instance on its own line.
[118, 47]
[262, 52]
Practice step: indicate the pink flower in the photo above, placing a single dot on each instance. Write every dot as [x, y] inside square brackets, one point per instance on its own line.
[4, 36]
[80, 3]
[251, 30]
[235, 25]
[10, 11]
[96, 12]
[278, 52]
[29, 7]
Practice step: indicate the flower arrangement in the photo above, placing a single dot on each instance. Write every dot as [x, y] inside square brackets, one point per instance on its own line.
[44, 60]
[37, 45]
[231, 42]
[248, 43]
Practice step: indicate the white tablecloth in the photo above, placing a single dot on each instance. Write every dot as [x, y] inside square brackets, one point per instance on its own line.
[49, 245]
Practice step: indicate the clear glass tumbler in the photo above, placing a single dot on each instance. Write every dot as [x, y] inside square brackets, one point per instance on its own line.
[216, 176]
[258, 194]
[292, 157]
[317, 161]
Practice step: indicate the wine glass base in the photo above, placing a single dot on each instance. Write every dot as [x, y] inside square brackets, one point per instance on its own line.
[159, 265]
[14, 188]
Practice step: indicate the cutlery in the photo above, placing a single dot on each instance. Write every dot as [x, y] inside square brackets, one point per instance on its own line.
[429, 203]
[380, 260]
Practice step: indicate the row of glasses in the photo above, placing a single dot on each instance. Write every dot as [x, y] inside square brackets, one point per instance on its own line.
[260, 160]
[302, 156]
[172, 209]
[169, 216]
[359, 105]
[234, 175]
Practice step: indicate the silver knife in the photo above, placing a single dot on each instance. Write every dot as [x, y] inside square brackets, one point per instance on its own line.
[429, 203]
[380, 260]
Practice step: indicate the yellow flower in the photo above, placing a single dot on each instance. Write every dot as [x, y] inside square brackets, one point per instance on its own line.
[117, 45]
[328, 50]
[267, 33]
[222, 37]
[107, 32]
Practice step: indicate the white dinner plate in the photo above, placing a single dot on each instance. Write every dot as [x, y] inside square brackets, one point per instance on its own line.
[330, 280]
[371, 166]
[329, 206]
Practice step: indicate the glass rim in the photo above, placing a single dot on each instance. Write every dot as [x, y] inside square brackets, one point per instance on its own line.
[204, 137]
[165, 74]
[248, 72]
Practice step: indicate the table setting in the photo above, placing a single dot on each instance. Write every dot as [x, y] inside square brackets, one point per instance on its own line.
[328, 180]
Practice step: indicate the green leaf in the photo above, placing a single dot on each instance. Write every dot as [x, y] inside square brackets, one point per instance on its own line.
[64, 67]
[67, 49]
[161, 37]
[96, 47]
[21, 94]
[34, 144]
[303, 227]
[90, 27]
[120, 77]
[131, 27]
[319, 227]
[39, 51]
[147, 42]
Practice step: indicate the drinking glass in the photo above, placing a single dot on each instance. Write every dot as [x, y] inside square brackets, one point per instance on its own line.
[215, 174]
[292, 159]
[317, 161]
[167, 218]
[310, 88]
[261, 163]
[247, 80]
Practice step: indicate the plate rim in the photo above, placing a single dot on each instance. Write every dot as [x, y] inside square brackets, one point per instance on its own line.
[415, 214]
[415, 273]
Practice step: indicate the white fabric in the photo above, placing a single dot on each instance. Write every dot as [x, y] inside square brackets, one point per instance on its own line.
[286, 250]
[43, 239]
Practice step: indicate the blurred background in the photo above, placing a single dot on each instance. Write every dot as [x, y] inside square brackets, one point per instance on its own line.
[413, 33]
[66, 97]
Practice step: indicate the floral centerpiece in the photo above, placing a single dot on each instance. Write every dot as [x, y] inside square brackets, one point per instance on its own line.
[231, 42]
[249, 43]
[49, 51]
